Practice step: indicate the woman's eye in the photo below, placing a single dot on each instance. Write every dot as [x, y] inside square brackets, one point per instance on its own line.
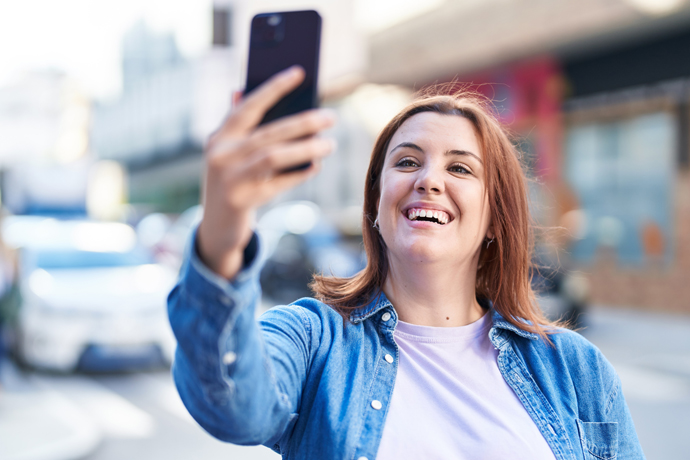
[460, 169]
[406, 162]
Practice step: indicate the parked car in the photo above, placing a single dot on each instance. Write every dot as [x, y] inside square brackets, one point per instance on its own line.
[170, 248]
[301, 241]
[91, 298]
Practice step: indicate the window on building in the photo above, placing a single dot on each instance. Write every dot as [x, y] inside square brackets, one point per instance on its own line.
[623, 175]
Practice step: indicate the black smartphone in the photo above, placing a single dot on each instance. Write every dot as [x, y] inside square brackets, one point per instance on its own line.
[281, 40]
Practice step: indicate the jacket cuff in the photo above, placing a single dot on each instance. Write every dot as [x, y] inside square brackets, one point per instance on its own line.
[216, 294]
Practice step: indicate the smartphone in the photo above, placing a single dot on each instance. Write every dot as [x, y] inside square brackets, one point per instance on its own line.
[281, 40]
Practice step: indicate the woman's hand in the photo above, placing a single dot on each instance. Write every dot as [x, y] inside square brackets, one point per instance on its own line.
[245, 166]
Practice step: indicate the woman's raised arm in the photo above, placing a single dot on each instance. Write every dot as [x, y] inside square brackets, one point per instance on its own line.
[241, 383]
[245, 165]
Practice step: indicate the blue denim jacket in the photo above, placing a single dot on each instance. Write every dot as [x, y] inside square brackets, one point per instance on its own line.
[301, 380]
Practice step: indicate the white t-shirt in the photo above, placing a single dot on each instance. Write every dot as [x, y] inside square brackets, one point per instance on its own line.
[451, 402]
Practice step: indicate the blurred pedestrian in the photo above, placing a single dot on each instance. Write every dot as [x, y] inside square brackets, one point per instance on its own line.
[435, 350]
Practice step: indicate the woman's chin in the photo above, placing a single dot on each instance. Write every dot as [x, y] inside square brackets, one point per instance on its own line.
[424, 253]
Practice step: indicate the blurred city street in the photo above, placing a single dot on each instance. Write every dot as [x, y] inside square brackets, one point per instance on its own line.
[140, 416]
[133, 416]
[105, 111]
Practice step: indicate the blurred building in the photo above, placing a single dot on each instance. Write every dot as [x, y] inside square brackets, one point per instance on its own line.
[157, 127]
[597, 92]
[44, 151]
[170, 105]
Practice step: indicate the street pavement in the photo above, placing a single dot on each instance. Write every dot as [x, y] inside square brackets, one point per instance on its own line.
[39, 423]
[140, 416]
[651, 353]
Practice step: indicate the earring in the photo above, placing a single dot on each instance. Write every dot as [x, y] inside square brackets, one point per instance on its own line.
[489, 242]
[376, 224]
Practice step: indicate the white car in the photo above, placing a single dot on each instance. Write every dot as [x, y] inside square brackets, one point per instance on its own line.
[91, 298]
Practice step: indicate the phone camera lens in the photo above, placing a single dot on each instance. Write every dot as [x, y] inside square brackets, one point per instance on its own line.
[274, 20]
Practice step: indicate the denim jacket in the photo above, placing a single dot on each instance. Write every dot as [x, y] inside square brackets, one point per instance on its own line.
[301, 380]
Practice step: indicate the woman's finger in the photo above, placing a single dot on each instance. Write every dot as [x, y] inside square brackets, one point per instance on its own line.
[254, 106]
[254, 185]
[297, 126]
[294, 127]
[273, 161]
[285, 182]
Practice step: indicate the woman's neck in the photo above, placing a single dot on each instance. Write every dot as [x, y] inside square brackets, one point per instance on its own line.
[431, 294]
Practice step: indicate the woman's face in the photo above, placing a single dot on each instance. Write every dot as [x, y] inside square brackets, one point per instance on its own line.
[433, 204]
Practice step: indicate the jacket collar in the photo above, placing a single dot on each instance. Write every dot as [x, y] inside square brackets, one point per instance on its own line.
[500, 323]
[380, 301]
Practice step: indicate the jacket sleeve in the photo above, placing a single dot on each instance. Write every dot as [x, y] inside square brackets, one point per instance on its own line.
[628, 444]
[602, 404]
[241, 382]
[609, 406]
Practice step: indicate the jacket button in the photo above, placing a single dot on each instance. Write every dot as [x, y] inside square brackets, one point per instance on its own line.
[376, 404]
[229, 357]
[389, 359]
[362, 458]
[386, 316]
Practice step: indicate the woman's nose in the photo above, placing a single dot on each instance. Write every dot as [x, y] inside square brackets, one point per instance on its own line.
[430, 180]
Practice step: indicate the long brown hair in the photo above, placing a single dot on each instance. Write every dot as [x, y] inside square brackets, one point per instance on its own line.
[503, 274]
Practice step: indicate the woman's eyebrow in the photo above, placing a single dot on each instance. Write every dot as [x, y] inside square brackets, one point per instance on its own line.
[408, 145]
[464, 153]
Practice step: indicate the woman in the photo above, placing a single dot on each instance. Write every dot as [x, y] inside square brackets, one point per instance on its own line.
[435, 350]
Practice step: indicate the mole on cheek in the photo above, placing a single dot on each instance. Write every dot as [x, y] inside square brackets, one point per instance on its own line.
[447, 317]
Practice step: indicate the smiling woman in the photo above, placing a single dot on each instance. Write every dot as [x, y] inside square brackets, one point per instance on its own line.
[438, 150]
[435, 350]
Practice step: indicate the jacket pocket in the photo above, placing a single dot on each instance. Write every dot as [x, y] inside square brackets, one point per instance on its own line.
[599, 440]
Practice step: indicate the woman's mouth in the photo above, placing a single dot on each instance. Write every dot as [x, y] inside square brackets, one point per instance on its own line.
[428, 215]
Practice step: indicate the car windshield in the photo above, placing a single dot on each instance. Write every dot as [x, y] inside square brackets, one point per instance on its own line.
[53, 259]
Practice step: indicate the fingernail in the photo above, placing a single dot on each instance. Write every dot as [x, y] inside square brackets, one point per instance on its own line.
[292, 71]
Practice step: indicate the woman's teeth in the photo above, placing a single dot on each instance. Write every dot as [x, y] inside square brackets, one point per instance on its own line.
[439, 217]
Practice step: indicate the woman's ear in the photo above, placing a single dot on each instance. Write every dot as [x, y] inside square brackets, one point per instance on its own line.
[490, 232]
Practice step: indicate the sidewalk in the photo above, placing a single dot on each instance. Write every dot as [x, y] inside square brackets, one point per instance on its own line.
[654, 340]
[40, 424]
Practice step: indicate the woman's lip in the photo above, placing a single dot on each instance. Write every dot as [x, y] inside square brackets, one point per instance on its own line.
[416, 206]
[423, 223]
[428, 207]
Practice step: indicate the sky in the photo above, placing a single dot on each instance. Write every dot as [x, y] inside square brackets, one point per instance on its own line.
[83, 37]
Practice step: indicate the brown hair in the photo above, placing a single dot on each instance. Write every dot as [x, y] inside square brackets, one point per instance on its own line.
[503, 274]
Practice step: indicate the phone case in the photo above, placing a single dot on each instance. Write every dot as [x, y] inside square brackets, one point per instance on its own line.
[281, 40]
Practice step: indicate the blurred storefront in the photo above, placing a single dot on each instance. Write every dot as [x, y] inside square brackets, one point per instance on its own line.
[597, 95]
[626, 158]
